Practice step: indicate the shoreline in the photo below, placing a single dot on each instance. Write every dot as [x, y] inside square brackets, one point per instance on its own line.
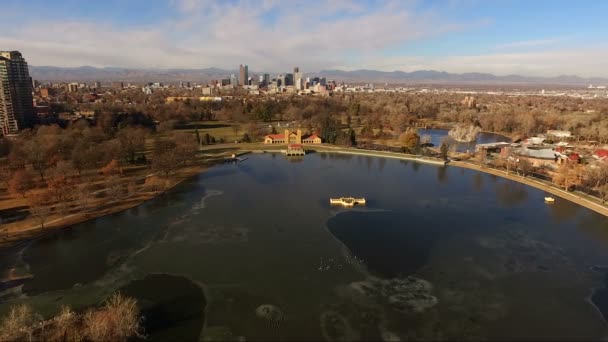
[34, 233]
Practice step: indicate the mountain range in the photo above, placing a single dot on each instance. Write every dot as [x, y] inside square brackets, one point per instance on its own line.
[88, 73]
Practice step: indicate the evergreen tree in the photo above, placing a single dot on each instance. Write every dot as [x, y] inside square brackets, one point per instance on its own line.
[444, 151]
[352, 137]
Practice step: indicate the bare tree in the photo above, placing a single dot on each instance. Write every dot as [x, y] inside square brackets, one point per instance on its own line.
[84, 195]
[164, 157]
[39, 208]
[20, 183]
[525, 166]
[114, 188]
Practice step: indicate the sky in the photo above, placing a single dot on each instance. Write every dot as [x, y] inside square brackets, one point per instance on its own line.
[530, 38]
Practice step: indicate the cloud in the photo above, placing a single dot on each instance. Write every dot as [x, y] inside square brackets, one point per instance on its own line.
[275, 35]
[551, 62]
[267, 35]
[529, 43]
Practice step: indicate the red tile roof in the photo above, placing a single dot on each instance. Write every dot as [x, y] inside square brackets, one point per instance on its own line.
[294, 146]
[314, 136]
[276, 136]
[601, 153]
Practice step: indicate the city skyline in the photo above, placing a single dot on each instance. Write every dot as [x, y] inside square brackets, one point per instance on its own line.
[533, 39]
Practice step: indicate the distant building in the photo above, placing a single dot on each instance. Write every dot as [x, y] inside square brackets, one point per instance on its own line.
[16, 101]
[292, 138]
[469, 102]
[559, 134]
[171, 99]
[298, 78]
[118, 85]
[73, 87]
[288, 79]
[233, 81]
[44, 92]
[243, 74]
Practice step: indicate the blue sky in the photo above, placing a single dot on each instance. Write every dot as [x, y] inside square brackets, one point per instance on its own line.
[535, 37]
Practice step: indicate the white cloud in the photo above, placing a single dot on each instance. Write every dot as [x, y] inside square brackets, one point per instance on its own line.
[529, 43]
[314, 35]
[586, 62]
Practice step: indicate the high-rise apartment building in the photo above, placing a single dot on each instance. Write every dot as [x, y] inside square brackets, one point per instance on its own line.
[16, 102]
[243, 74]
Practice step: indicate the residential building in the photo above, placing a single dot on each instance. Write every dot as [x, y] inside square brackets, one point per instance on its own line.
[16, 101]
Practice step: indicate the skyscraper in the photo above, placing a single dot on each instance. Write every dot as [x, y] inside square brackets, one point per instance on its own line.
[243, 75]
[298, 78]
[16, 102]
[233, 81]
[266, 79]
[288, 79]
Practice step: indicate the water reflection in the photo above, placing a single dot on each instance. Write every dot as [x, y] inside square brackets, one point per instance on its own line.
[388, 244]
[173, 307]
[510, 194]
[562, 210]
[368, 163]
[477, 181]
[442, 175]
[381, 163]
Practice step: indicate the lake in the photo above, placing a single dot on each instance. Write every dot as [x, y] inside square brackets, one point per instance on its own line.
[254, 251]
[438, 135]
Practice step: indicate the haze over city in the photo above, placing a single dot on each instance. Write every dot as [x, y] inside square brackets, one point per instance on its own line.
[539, 38]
